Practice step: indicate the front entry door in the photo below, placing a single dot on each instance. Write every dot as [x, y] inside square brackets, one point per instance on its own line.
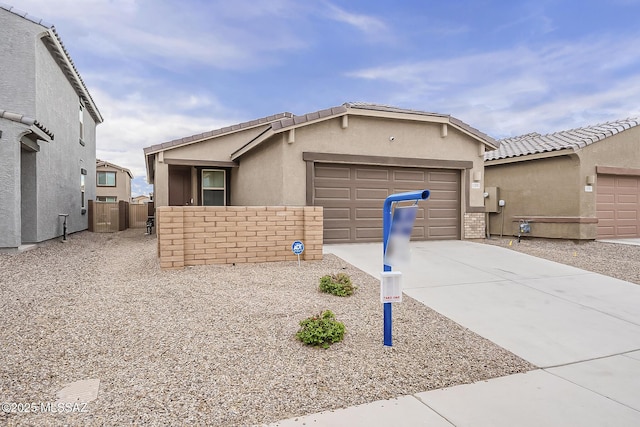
[180, 186]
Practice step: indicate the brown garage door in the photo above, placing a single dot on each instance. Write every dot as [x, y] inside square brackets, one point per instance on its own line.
[618, 206]
[352, 197]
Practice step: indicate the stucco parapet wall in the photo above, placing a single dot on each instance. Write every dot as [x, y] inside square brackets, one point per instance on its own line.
[198, 235]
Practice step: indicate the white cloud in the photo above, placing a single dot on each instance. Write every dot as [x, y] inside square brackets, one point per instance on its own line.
[522, 89]
[135, 122]
[365, 23]
[168, 34]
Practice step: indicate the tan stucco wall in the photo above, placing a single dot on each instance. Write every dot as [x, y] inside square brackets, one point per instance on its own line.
[365, 136]
[620, 151]
[218, 148]
[122, 190]
[543, 187]
[161, 182]
[259, 179]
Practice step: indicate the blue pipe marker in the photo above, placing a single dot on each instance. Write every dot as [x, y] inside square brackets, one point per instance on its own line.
[386, 228]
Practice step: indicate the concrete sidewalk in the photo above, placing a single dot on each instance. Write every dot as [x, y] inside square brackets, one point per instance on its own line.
[581, 328]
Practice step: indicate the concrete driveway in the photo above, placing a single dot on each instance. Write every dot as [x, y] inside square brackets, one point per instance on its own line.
[581, 328]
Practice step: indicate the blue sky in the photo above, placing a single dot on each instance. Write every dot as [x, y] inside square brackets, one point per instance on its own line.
[160, 70]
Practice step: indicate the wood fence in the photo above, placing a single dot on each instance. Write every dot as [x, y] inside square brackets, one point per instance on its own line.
[106, 217]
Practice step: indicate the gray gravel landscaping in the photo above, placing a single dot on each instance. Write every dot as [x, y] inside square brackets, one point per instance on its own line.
[210, 345]
[611, 259]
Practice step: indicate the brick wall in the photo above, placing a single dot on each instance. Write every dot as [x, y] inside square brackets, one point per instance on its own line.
[474, 225]
[195, 235]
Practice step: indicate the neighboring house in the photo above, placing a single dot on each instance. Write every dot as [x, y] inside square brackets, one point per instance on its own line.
[47, 134]
[346, 159]
[113, 182]
[575, 184]
[140, 200]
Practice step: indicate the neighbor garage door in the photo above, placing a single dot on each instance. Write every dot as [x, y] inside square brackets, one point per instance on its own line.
[618, 206]
[352, 197]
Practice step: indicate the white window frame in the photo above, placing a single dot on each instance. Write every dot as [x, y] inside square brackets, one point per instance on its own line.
[223, 188]
[81, 119]
[115, 179]
[83, 193]
[106, 199]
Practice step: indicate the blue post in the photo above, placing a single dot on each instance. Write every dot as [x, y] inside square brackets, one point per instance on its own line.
[386, 228]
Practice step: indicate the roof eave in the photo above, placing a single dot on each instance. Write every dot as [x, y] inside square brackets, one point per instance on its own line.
[181, 142]
[533, 156]
[51, 39]
[268, 133]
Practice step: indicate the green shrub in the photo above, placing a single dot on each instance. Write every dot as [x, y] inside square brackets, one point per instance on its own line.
[321, 330]
[337, 284]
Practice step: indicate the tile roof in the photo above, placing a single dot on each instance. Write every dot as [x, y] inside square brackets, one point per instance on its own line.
[533, 143]
[100, 163]
[25, 120]
[216, 132]
[60, 53]
[344, 108]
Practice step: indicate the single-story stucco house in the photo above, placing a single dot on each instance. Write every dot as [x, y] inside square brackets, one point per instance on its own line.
[576, 184]
[347, 159]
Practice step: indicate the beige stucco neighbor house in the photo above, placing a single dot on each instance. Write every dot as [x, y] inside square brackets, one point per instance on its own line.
[113, 182]
[346, 159]
[576, 184]
[140, 200]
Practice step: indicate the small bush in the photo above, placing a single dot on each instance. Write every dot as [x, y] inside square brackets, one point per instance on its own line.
[321, 330]
[337, 284]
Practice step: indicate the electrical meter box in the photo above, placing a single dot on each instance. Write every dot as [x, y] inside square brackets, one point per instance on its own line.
[491, 201]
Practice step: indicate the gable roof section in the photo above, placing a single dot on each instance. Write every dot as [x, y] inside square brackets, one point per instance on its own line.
[214, 133]
[59, 52]
[365, 109]
[574, 139]
[100, 163]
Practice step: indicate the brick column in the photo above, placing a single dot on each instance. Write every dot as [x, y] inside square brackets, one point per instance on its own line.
[170, 226]
[313, 233]
[474, 225]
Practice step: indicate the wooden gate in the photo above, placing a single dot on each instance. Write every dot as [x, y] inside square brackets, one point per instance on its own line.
[105, 217]
[138, 216]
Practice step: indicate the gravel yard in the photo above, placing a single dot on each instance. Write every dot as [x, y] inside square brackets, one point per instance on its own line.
[611, 259]
[210, 345]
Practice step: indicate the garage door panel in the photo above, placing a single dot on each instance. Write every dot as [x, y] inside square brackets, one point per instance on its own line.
[369, 233]
[418, 233]
[441, 213]
[605, 215]
[439, 176]
[333, 193]
[359, 218]
[618, 206]
[368, 213]
[323, 171]
[628, 198]
[372, 174]
[337, 213]
[627, 231]
[443, 232]
[371, 193]
[605, 198]
[627, 183]
[630, 215]
[413, 176]
[338, 235]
